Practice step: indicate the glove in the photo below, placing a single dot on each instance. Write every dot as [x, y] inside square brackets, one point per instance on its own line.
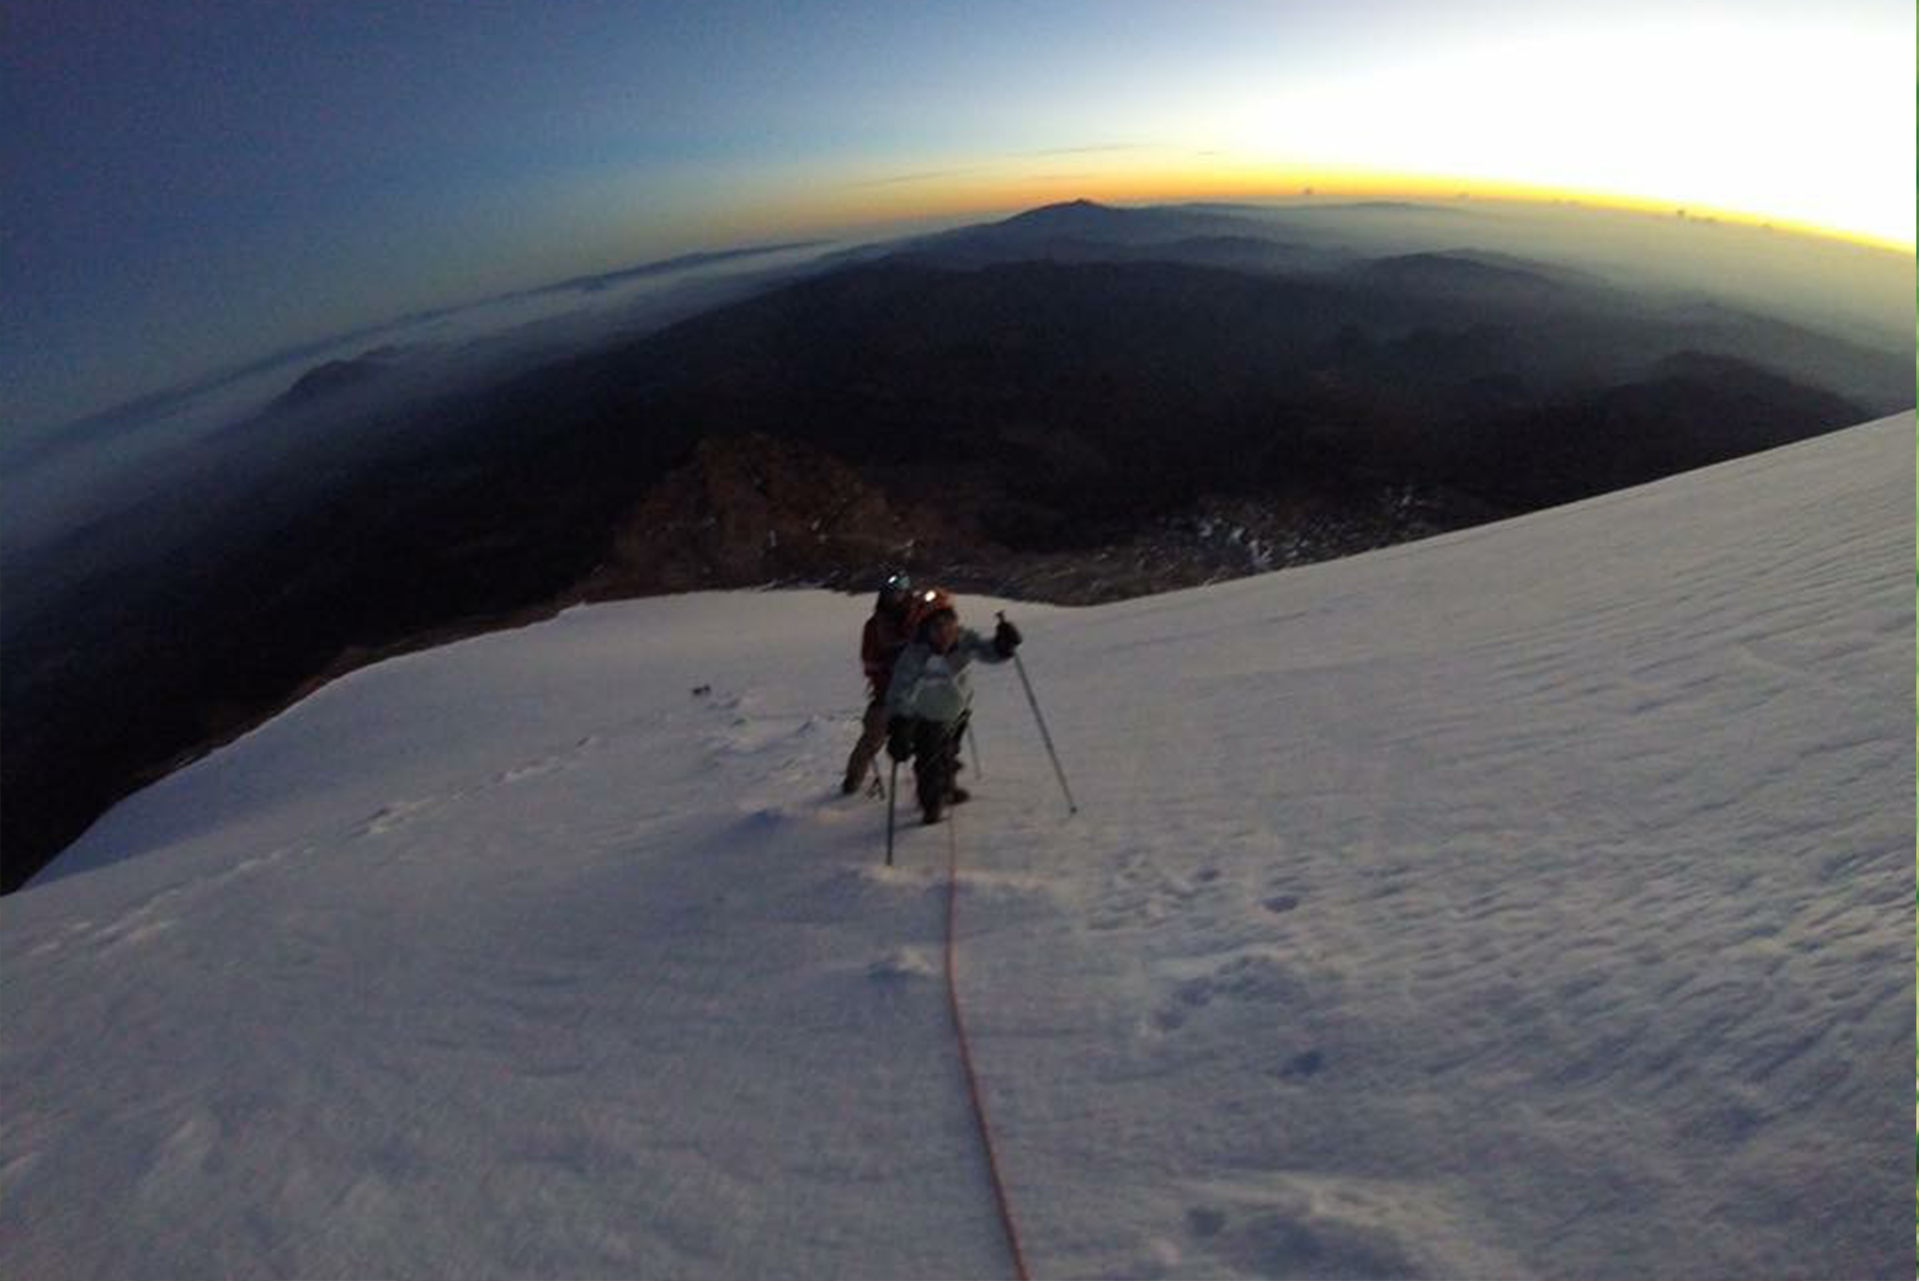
[899, 737]
[1006, 638]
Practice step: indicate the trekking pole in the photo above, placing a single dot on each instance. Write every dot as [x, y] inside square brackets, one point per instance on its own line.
[892, 792]
[1071, 807]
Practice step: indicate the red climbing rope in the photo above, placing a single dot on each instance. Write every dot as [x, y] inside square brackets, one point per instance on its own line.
[966, 1059]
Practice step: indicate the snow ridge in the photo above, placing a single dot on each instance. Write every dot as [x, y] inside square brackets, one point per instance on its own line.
[1529, 901]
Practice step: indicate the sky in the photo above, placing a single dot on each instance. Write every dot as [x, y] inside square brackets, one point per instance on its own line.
[194, 184]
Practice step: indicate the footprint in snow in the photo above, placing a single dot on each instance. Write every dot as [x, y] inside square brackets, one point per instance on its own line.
[546, 764]
[532, 769]
[393, 816]
[901, 966]
[1303, 1065]
[16, 1172]
[765, 816]
[1250, 984]
[748, 735]
[1305, 1235]
[1144, 893]
[1205, 1221]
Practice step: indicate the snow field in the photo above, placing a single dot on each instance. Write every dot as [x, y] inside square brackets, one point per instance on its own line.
[1533, 901]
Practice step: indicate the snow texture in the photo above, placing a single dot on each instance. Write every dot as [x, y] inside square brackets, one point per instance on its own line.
[1531, 901]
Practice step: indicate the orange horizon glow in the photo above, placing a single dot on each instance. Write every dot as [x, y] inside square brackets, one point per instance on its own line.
[975, 194]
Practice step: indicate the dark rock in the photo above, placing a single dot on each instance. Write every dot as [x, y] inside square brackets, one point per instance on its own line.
[752, 509]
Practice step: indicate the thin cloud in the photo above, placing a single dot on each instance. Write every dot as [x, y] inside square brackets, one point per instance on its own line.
[1081, 151]
[923, 175]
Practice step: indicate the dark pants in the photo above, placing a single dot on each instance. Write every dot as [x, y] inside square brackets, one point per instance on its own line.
[872, 738]
[936, 751]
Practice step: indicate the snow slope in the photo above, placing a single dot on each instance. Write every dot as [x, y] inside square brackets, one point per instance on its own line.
[1533, 901]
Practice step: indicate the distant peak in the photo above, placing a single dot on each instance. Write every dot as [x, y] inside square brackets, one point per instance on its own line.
[1067, 209]
[336, 377]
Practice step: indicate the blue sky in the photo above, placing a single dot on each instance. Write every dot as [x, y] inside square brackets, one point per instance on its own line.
[193, 184]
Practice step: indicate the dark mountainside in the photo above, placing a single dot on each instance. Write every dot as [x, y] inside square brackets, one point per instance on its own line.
[1064, 430]
[335, 377]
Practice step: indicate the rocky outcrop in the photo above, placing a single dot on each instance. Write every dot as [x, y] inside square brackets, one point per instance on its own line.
[752, 510]
[748, 510]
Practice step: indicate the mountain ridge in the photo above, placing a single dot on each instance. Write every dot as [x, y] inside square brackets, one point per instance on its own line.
[1043, 409]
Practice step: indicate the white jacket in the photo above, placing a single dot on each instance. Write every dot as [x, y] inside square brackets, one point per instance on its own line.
[933, 687]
